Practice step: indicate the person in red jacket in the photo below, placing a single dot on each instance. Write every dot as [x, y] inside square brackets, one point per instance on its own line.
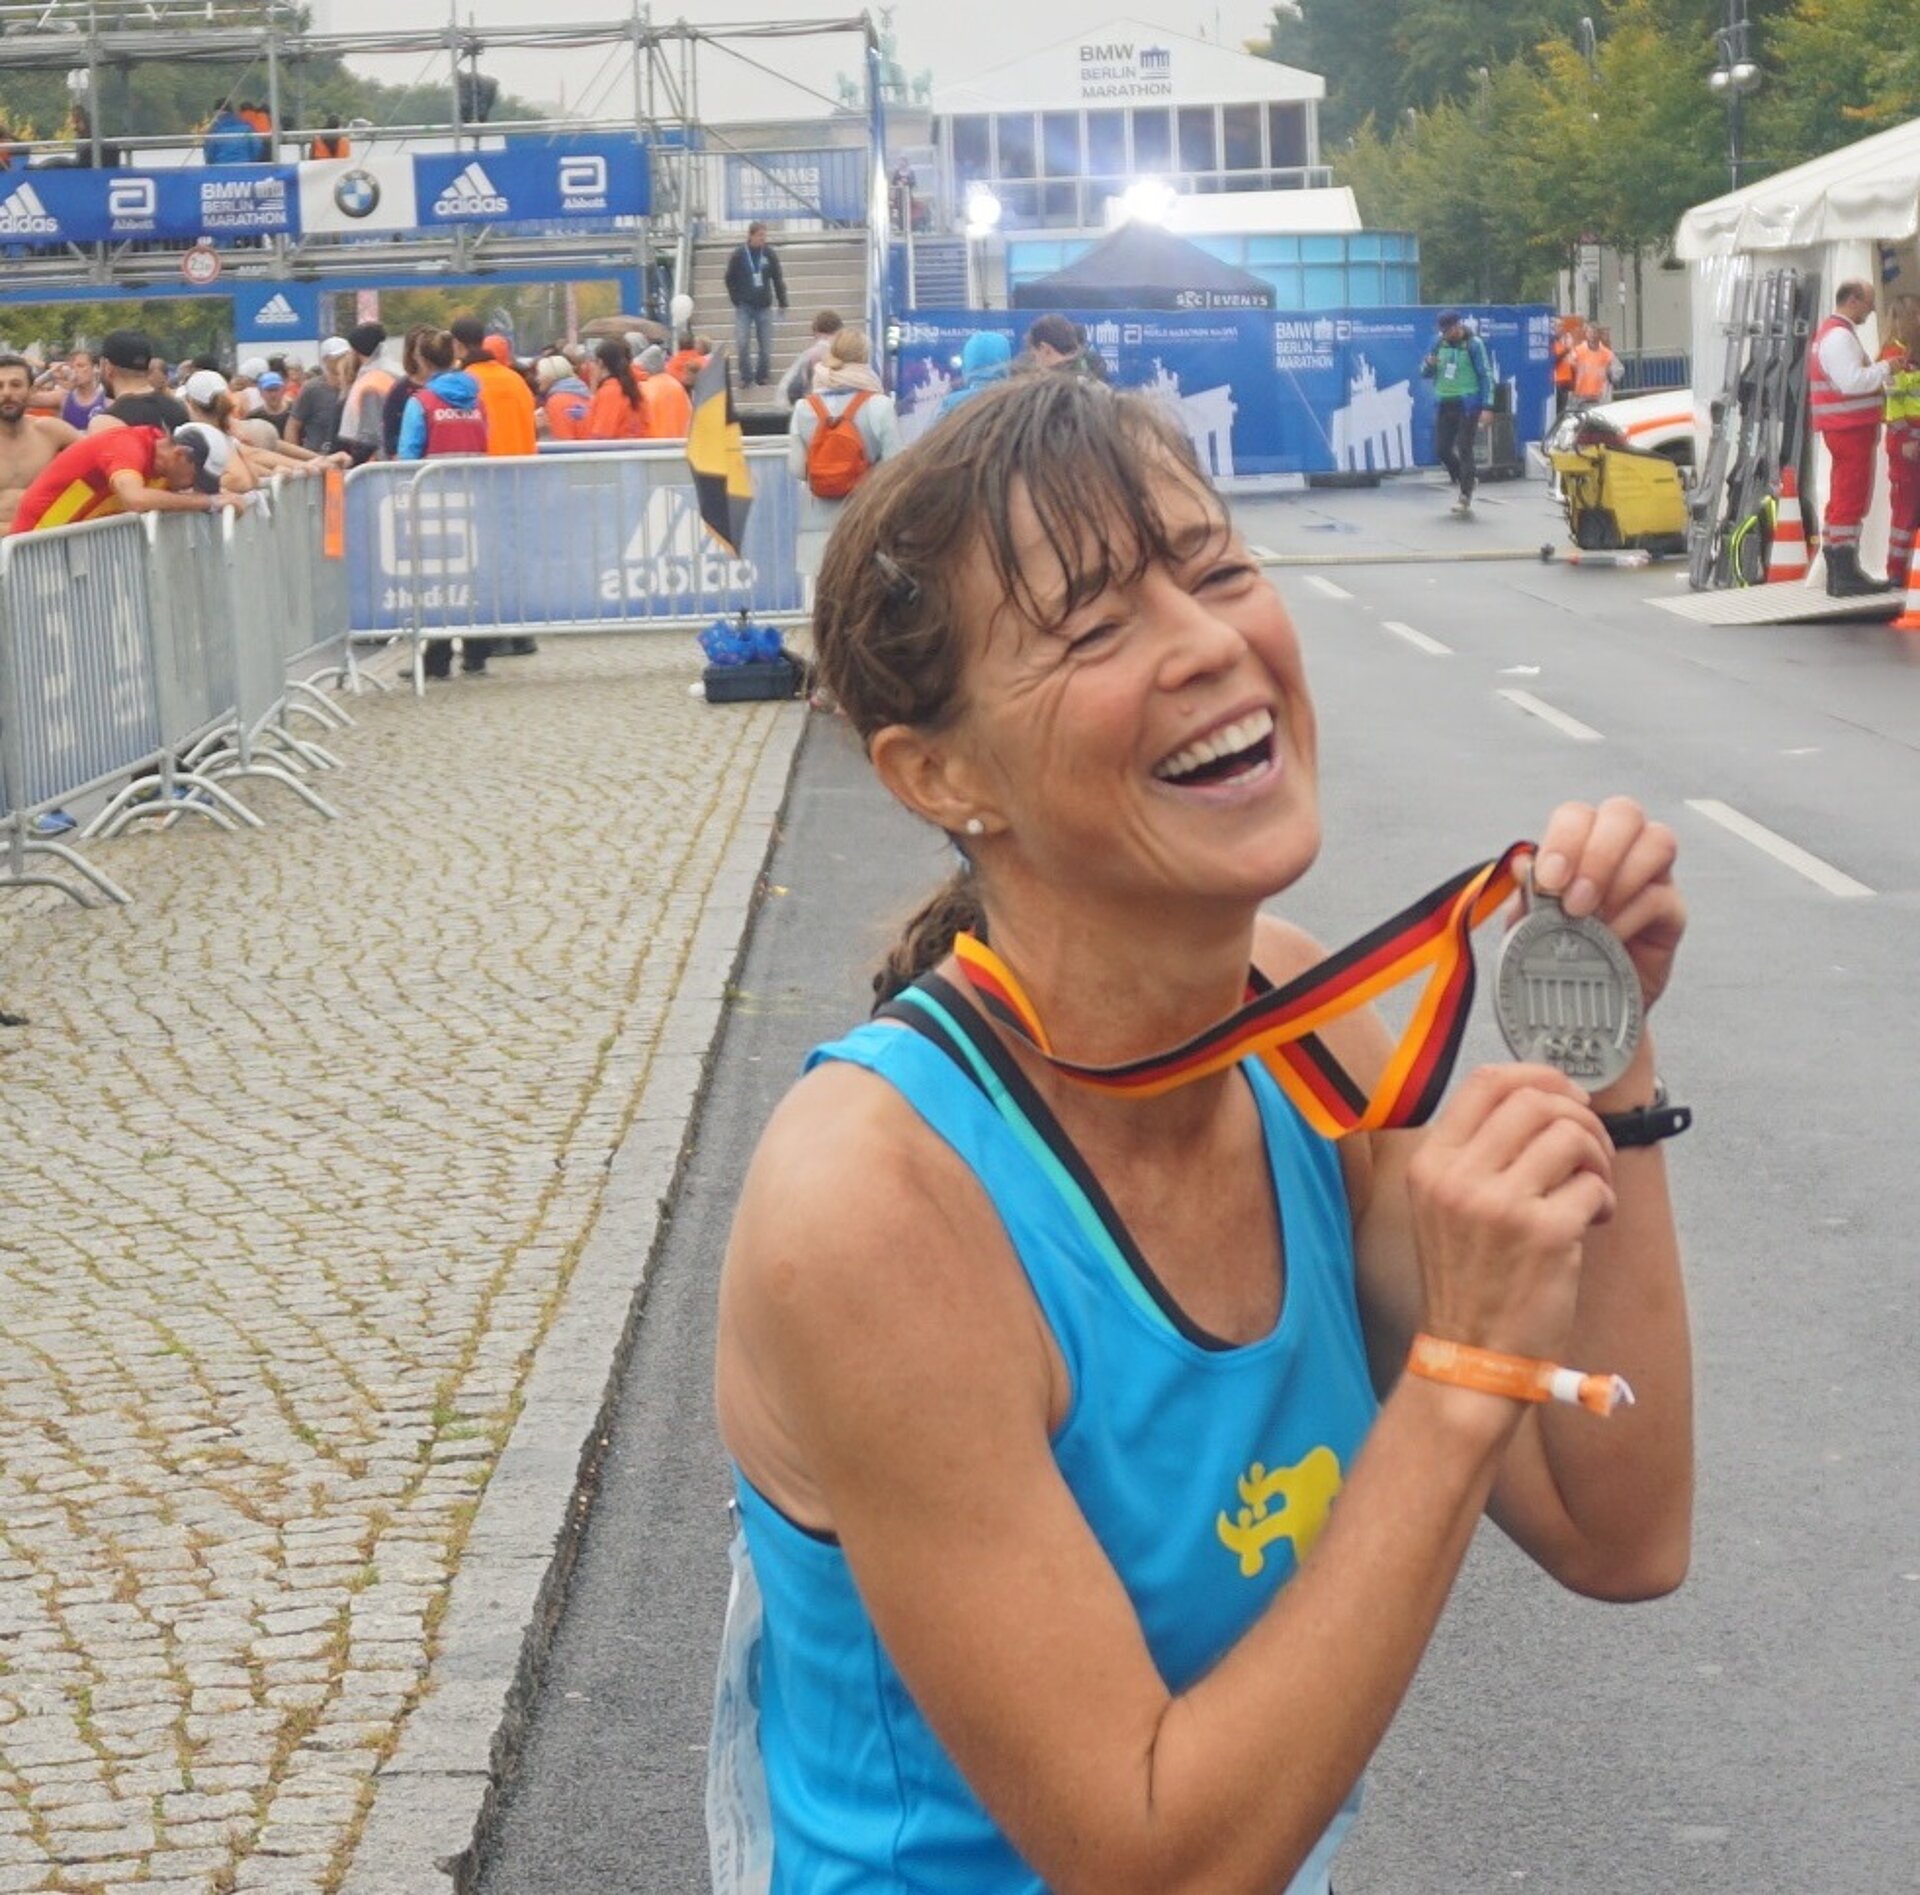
[122, 470]
[1846, 394]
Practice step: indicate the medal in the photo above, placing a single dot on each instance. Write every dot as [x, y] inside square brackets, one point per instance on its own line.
[1565, 994]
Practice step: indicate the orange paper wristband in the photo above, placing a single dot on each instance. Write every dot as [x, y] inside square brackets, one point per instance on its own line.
[1516, 1377]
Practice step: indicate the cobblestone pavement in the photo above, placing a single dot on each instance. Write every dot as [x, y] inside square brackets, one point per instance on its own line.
[299, 1150]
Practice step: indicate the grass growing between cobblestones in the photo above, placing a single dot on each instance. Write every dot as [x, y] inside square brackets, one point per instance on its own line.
[303, 1149]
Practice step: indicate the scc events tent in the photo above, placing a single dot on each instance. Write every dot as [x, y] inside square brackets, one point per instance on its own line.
[1867, 192]
[1141, 266]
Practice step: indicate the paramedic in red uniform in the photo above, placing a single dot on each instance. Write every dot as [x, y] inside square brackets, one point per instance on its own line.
[1846, 392]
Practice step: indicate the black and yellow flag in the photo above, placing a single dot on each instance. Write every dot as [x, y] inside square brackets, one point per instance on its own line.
[717, 454]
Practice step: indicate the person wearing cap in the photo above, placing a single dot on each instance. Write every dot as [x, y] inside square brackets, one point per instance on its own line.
[245, 385]
[316, 411]
[127, 357]
[129, 469]
[275, 411]
[368, 383]
[505, 398]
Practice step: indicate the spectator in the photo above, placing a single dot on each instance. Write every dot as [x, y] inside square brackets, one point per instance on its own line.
[274, 411]
[80, 126]
[245, 384]
[668, 403]
[412, 375]
[28, 442]
[214, 411]
[260, 124]
[129, 360]
[228, 138]
[839, 433]
[563, 399]
[505, 398]
[617, 412]
[1463, 395]
[799, 378]
[85, 396]
[367, 382]
[133, 469]
[754, 284]
[1057, 341]
[986, 359]
[445, 416]
[332, 142]
[316, 410]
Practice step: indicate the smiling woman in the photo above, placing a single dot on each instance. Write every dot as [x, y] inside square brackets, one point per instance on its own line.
[1040, 1397]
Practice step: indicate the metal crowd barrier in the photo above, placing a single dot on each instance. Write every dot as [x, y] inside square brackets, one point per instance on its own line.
[146, 658]
[580, 543]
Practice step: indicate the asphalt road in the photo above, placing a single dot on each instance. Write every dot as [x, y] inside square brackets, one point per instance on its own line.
[1755, 1733]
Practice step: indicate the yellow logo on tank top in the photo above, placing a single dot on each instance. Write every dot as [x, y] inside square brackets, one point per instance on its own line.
[1290, 1503]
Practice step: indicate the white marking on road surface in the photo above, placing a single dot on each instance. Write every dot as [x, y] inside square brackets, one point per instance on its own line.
[1805, 750]
[1565, 725]
[1328, 587]
[1418, 640]
[1821, 874]
[1264, 554]
[1519, 671]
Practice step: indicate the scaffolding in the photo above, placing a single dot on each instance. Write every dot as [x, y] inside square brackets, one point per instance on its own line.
[90, 40]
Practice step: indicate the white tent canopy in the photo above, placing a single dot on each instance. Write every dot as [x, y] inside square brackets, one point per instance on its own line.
[1866, 193]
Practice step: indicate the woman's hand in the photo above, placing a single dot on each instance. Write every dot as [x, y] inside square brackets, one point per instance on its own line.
[1505, 1184]
[1614, 863]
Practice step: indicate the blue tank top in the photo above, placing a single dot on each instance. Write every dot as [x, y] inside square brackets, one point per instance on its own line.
[1205, 1471]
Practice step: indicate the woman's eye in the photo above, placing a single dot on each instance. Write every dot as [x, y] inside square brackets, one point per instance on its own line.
[1231, 573]
[1093, 635]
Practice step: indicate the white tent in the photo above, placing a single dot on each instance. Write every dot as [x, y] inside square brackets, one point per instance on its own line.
[1853, 214]
[1866, 193]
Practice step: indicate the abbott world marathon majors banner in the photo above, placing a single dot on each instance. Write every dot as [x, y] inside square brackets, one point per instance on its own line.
[577, 183]
[1298, 392]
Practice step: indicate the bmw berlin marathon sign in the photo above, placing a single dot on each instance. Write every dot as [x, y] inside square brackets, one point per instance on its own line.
[600, 181]
[1121, 70]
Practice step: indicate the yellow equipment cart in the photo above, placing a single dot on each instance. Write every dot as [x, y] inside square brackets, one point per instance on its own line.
[1620, 496]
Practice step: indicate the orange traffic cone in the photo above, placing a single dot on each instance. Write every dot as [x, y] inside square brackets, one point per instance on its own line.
[1787, 558]
[1909, 619]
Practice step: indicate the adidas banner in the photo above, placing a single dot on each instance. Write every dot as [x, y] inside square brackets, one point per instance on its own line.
[561, 183]
[48, 205]
[275, 313]
[582, 540]
[597, 182]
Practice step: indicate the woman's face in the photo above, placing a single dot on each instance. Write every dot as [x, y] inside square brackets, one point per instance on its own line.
[1159, 743]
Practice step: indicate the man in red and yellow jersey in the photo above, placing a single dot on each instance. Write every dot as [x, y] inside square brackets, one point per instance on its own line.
[124, 470]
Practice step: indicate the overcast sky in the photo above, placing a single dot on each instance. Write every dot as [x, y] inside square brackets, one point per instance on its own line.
[952, 38]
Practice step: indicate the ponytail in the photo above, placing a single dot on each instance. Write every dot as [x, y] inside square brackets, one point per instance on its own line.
[953, 909]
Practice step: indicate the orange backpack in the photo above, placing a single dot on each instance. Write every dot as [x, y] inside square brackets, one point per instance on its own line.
[837, 455]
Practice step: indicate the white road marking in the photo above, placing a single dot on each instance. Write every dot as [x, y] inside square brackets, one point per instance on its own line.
[1264, 554]
[1418, 640]
[1327, 586]
[1821, 874]
[1565, 725]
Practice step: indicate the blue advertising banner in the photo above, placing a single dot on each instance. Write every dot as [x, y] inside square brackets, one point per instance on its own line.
[49, 205]
[549, 183]
[275, 312]
[565, 540]
[567, 182]
[1300, 392]
[772, 186]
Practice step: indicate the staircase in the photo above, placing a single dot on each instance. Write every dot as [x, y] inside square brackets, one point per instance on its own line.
[940, 273]
[825, 272]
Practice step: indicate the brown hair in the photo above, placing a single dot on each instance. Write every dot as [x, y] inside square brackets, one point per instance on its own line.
[436, 349]
[1091, 466]
[850, 345]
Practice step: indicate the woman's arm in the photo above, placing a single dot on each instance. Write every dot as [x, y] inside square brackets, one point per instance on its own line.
[799, 433]
[885, 1373]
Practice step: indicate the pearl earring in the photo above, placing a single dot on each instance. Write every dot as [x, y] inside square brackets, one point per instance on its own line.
[975, 827]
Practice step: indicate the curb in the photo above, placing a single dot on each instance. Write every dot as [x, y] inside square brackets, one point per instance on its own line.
[435, 1798]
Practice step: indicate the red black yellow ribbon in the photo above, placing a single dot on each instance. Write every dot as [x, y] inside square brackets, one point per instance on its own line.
[1280, 1025]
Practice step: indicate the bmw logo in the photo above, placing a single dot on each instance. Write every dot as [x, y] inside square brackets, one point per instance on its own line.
[357, 193]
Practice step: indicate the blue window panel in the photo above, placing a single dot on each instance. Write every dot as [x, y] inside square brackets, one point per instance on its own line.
[1273, 250]
[1326, 285]
[1366, 285]
[1323, 250]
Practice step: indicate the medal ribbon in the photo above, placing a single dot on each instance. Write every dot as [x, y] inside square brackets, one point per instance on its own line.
[1280, 1025]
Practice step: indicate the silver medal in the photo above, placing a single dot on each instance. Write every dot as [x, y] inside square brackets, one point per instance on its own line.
[1566, 995]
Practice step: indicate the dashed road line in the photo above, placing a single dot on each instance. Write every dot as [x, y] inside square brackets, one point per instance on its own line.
[1821, 874]
[1327, 587]
[1266, 555]
[1565, 725]
[1420, 641]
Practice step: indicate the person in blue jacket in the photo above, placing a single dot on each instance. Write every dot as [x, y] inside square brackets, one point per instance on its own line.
[229, 139]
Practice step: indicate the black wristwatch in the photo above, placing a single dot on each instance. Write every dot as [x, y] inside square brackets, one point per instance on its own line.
[1647, 1124]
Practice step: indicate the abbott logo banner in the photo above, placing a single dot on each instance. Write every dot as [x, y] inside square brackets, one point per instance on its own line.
[583, 184]
[133, 204]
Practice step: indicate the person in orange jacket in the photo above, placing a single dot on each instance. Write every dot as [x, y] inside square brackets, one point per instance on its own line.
[669, 405]
[505, 398]
[1565, 336]
[619, 411]
[564, 399]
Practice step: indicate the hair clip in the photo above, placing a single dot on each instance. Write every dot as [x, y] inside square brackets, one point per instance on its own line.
[903, 590]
